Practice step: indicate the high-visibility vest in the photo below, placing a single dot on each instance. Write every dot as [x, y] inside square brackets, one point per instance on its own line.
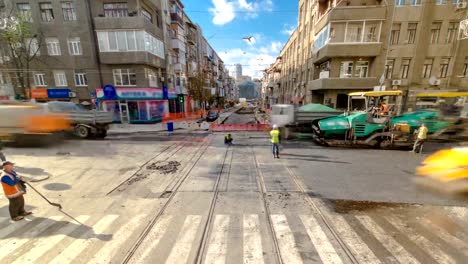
[422, 133]
[274, 136]
[11, 191]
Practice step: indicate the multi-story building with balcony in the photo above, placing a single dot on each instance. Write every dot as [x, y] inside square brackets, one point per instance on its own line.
[344, 46]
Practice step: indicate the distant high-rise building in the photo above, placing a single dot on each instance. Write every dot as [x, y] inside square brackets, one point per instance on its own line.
[238, 71]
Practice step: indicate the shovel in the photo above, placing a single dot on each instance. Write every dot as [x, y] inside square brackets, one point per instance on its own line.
[53, 204]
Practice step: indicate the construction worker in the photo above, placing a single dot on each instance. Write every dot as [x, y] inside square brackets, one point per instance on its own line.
[14, 189]
[275, 140]
[421, 138]
[383, 110]
[228, 140]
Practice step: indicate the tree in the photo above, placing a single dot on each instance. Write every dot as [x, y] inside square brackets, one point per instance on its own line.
[22, 45]
[196, 89]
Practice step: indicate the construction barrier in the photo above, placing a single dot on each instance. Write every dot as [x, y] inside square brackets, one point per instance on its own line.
[239, 127]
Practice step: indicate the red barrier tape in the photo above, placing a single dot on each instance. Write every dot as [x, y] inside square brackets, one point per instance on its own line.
[239, 127]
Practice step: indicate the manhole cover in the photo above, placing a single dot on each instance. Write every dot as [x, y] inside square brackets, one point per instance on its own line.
[57, 186]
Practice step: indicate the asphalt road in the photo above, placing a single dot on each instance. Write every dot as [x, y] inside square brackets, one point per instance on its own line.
[186, 198]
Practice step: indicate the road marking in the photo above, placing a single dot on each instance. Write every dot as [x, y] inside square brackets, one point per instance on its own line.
[80, 244]
[429, 247]
[459, 212]
[360, 250]
[105, 254]
[151, 240]
[11, 228]
[217, 248]
[185, 239]
[46, 243]
[320, 240]
[286, 243]
[253, 252]
[447, 237]
[387, 241]
[9, 245]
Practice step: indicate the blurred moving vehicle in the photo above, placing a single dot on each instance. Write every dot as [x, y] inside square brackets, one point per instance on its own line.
[445, 171]
[86, 123]
[212, 115]
[25, 123]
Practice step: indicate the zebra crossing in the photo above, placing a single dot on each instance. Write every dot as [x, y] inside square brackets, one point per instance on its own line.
[53, 240]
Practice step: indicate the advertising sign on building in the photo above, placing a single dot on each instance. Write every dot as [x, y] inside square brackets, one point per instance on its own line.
[58, 93]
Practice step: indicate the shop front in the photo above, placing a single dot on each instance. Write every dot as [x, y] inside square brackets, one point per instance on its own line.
[50, 94]
[132, 105]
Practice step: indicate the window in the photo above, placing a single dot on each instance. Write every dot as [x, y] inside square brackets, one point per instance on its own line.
[412, 27]
[24, 10]
[451, 32]
[158, 19]
[427, 68]
[441, 2]
[354, 32]
[435, 32]
[116, 10]
[68, 11]
[346, 69]
[60, 78]
[465, 68]
[124, 41]
[455, 2]
[80, 78]
[405, 64]
[147, 15]
[400, 2]
[395, 34]
[152, 78]
[444, 64]
[74, 46]
[53, 46]
[33, 46]
[39, 79]
[47, 13]
[362, 69]
[124, 77]
[321, 38]
[389, 68]
[415, 2]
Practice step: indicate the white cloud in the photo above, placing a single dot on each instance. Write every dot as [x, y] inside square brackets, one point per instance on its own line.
[223, 12]
[288, 29]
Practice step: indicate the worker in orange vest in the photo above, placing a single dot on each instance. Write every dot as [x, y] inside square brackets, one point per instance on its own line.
[14, 189]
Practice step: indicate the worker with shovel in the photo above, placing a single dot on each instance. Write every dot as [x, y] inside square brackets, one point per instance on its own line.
[14, 188]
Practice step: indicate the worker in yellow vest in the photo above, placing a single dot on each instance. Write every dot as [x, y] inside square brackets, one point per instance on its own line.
[275, 140]
[422, 136]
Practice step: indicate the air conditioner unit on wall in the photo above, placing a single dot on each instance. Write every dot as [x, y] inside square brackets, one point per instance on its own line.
[461, 5]
[72, 94]
[396, 82]
[437, 82]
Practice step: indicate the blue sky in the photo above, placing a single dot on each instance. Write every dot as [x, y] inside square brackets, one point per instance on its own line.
[226, 22]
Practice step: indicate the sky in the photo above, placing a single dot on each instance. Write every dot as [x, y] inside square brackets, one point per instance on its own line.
[225, 22]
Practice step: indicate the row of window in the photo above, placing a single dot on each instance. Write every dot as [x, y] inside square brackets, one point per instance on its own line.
[122, 77]
[418, 2]
[47, 12]
[435, 33]
[426, 70]
[134, 40]
[53, 46]
[69, 12]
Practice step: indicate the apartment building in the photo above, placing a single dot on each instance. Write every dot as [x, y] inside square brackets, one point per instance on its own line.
[142, 50]
[344, 46]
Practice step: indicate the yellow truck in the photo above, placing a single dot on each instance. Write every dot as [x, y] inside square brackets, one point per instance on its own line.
[25, 123]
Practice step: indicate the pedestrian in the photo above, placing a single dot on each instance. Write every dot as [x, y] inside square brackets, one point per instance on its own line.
[421, 138]
[228, 140]
[275, 139]
[14, 189]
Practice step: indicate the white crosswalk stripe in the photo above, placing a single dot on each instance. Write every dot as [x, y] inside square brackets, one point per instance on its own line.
[44, 244]
[217, 248]
[253, 252]
[323, 246]
[4, 232]
[185, 239]
[387, 240]
[9, 245]
[286, 243]
[429, 247]
[105, 254]
[84, 241]
[447, 237]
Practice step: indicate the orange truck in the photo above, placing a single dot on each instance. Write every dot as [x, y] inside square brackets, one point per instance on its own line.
[25, 123]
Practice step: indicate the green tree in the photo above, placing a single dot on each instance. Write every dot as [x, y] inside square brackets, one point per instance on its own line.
[196, 89]
[21, 44]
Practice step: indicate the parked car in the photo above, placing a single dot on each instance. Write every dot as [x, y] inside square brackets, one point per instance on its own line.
[212, 115]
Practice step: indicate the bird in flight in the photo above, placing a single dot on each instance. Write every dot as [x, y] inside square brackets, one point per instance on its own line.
[249, 39]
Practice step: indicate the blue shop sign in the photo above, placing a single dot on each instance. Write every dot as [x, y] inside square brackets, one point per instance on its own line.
[109, 92]
[58, 93]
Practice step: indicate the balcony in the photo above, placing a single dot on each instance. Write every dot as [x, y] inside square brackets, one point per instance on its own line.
[134, 57]
[343, 83]
[175, 18]
[343, 13]
[191, 39]
[178, 44]
[119, 23]
[347, 50]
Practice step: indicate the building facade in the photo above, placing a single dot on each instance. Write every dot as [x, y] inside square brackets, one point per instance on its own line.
[344, 46]
[146, 49]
